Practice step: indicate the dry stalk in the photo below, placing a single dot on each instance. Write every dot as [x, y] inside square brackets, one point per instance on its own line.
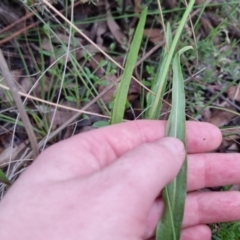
[13, 89]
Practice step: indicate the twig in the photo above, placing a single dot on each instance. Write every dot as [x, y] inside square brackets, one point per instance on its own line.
[13, 89]
[17, 22]
[9, 38]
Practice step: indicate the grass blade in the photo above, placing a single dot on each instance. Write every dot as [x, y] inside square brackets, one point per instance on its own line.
[155, 105]
[174, 194]
[159, 84]
[122, 91]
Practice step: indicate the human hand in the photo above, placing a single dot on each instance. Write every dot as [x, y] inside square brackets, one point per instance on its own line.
[104, 184]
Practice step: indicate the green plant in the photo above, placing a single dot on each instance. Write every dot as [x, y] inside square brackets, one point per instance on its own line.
[226, 231]
[122, 91]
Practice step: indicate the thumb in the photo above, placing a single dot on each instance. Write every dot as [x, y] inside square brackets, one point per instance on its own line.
[145, 170]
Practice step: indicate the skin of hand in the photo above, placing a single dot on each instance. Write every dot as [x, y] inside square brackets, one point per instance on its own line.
[105, 184]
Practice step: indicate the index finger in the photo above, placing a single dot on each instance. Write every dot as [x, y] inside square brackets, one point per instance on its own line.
[88, 152]
[118, 139]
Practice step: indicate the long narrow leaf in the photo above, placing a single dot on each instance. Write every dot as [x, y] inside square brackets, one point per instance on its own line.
[122, 91]
[159, 84]
[174, 194]
[154, 110]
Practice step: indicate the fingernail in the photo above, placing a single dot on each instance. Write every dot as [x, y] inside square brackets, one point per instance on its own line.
[173, 144]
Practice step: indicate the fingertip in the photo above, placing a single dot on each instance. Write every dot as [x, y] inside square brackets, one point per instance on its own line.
[216, 134]
[202, 137]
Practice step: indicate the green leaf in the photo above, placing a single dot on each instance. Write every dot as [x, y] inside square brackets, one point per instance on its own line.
[122, 91]
[174, 194]
[3, 178]
[100, 124]
[155, 104]
[159, 85]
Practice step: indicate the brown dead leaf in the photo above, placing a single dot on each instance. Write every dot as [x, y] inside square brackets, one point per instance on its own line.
[16, 76]
[154, 34]
[234, 93]
[81, 14]
[24, 84]
[206, 115]
[113, 26]
[206, 24]
[134, 91]
[231, 136]
[61, 115]
[231, 132]
[220, 117]
[99, 28]
[14, 152]
[137, 6]
[6, 150]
